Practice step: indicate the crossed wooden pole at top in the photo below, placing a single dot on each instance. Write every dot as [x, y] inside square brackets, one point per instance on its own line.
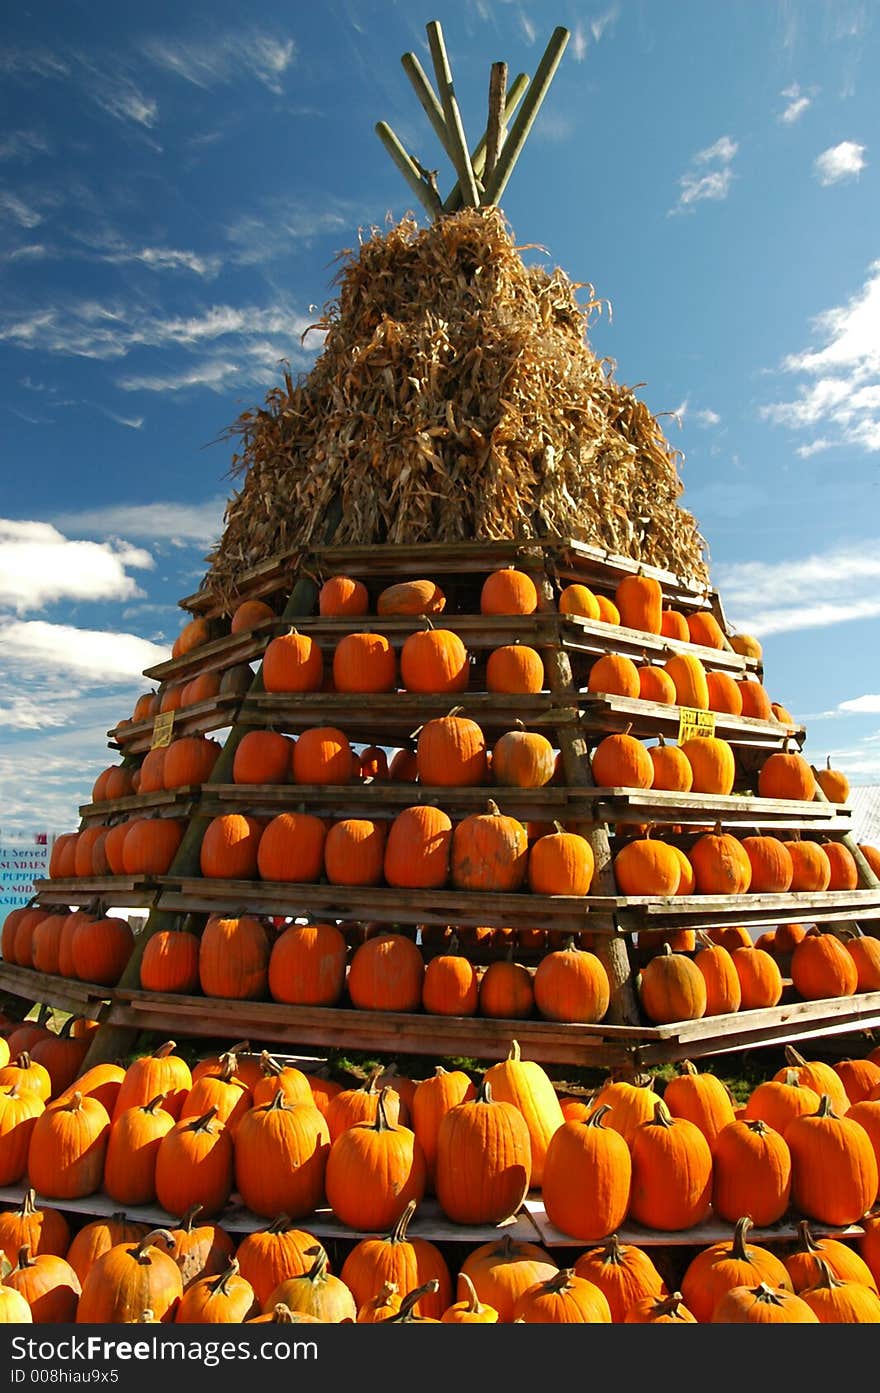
[483, 175]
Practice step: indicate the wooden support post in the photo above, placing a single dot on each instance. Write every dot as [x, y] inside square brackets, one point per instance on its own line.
[526, 115]
[427, 196]
[452, 116]
[495, 123]
[478, 158]
[428, 98]
[611, 948]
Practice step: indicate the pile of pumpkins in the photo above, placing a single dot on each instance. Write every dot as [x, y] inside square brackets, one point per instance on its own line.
[804, 1146]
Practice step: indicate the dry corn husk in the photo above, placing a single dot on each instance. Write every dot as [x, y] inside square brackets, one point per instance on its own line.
[456, 397]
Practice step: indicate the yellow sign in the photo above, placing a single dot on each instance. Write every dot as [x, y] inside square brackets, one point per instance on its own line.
[693, 724]
[162, 728]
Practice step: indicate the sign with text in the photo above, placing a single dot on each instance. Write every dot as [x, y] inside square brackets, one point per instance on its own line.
[693, 724]
[21, 863]
[162, 728]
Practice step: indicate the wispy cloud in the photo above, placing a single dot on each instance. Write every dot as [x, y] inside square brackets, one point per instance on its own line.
[19, 211]
[796, 103]
[702, 416]
[603, 21]
[709, 176]
[218, 60]
[839, 402]
[98, 655]
[32, 62]
[116, 93]
[578, 43]
[282, 225]
[201, 523]
[814, 592]
[23, 145]
[707, 417]
[528, 28]
[40, 565]
[838, 162]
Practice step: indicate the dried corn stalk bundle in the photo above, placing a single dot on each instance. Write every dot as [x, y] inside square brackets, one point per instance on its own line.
[456, 397]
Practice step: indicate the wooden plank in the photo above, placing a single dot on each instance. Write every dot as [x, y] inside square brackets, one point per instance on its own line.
[848, 1012]
[711, 1230]
[226, 651]
[385, 800]
[603, 712]
[658, 805]
[214, 714]
[64, 993]
[711, 911]
[178, 802]
[135, 892]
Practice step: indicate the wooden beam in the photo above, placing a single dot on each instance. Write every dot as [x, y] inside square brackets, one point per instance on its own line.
[428, 98]
[478, 158]
[455, 129]
[429, 200]
[495, 122]
[525, 117]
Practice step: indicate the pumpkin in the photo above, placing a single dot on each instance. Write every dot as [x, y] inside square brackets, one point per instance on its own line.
[834, 1302]
[560, 863]
[702, 1098]
[48, 1284]
[67, 1147]
[281, 1154]
[755, 700]
[150, 845]
[101, 949]
[713, 766]
[163, 1072]
[281, 1078]
[432, 1100]
[19, 1110]
[571, 985]
[864, 950]
[293, 662]
[322, 755]
[723, 989]
[471, 1310]
[725, 696]
[671, 988]
[129, 1279]
[614, 675]
[372, 764]
[816, 1074]
[360, 1104]
[673, 624]
[450, 985]
[506, 991]
[777, 1101]
[608, 611]
[61, 1055]
[354, 851]
[170, 962]
[27, 1076]
[194, 1164]
[227, 1298]
[434, 661]
[833, 783]
[263, 757]
[189, 760]
[102, 1081]
[229, 847]
[384, 1304]
[659, 1310]
[762, 1305]
[868, 1244]
[563, 1299]
[672, 770]
[751, 1172]
[647, 866]
[14, 1309]
[489, 852]
[201, 688]
[130, 1161]
[364, 662]
[508, 591]
[234, 958]
[403, 767]
[266, 1257]
[502, 1269]
[811, 869]
[586, 1178]
[786, 774]
[523, 759]
[861, 1077]
[307, 965]
[834, 1168]
[417, 849]
[621, 761]
[44, 1230]
[515, 669]
[411, 597]
[671, 1173]
[770, 860]
[483, 1161]
[228, 1095]
[193, 634]
[248, 614]
[721, 864]
[525, 1084]
[343, 595]
[451, 752]
[316, 1292]
[689, 676]
[760, 980]
[843, 1261]
[578, 599]
[704, 629]
[291, 848]
[821, 967]
[373, 1171]
[844, 871]
[95, 1238]
[735, 1262]
[386, 974]
[624, 1273]
[639, 600]
[404, 1262]
[655, 684]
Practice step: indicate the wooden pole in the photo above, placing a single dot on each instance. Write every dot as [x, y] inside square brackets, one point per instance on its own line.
[428, 198]
[478, 159]
[452, 116]
[526, 115]
[611, 948]
[495, 123]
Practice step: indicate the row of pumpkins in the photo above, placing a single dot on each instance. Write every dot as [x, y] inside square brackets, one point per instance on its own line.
[808, 1137]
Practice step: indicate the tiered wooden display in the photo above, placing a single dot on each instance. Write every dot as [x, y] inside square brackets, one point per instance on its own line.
[573, 718]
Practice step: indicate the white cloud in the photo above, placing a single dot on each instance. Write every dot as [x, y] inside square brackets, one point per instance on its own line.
[869, 703]
[797, 103]
[266, 236]
[32, 62]
[100, 656]
[527, 27]
[604, 21]
[200, 523]
[714, 184]
[120, 98]
[707, 417]
[578, 43]
[19, 211]
[23, 145]
[817, 591]
[38, 565]
[214, 60]
[842, 390]
[843, 161]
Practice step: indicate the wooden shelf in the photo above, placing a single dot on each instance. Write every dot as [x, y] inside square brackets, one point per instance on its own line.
[134, 892]
[604, 714]
[176, 802]
[203, 716]
[65, 994]
[755, 911]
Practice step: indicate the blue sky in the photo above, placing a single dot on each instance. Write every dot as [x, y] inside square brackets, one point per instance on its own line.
[176, 183]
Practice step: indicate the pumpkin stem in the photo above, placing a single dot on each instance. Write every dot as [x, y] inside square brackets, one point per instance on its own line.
[410, 1301]
[186, 1220]
[164, 1050]
[141, 1251]
[662, 1116]
[613, 1251]
[154, 1104]
[381, 1123]
[319, 1266]
[484, 1092]
[281, 1314]
[28, 1204]
[668, 1305]
[826, 1276]
[513, 1052]
[280, 1224]
[398, 1233]
[688, 1068]
[738, 1247]
[269, 1066]
[595, 1117]
[203, 1123]
[221, 1283]
[825, 1109]
[793, 1058]
[806, 1241]
[560, 1281]
[24, 1258]
[277, 1102]
[76, 1100]
[473, 1306]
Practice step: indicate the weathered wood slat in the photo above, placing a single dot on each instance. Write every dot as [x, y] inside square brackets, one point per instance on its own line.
[134, 892]
[203, 716]
[712, 1230]
[608, 713]
[176, 802]
[756, 911]
[79, 998]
